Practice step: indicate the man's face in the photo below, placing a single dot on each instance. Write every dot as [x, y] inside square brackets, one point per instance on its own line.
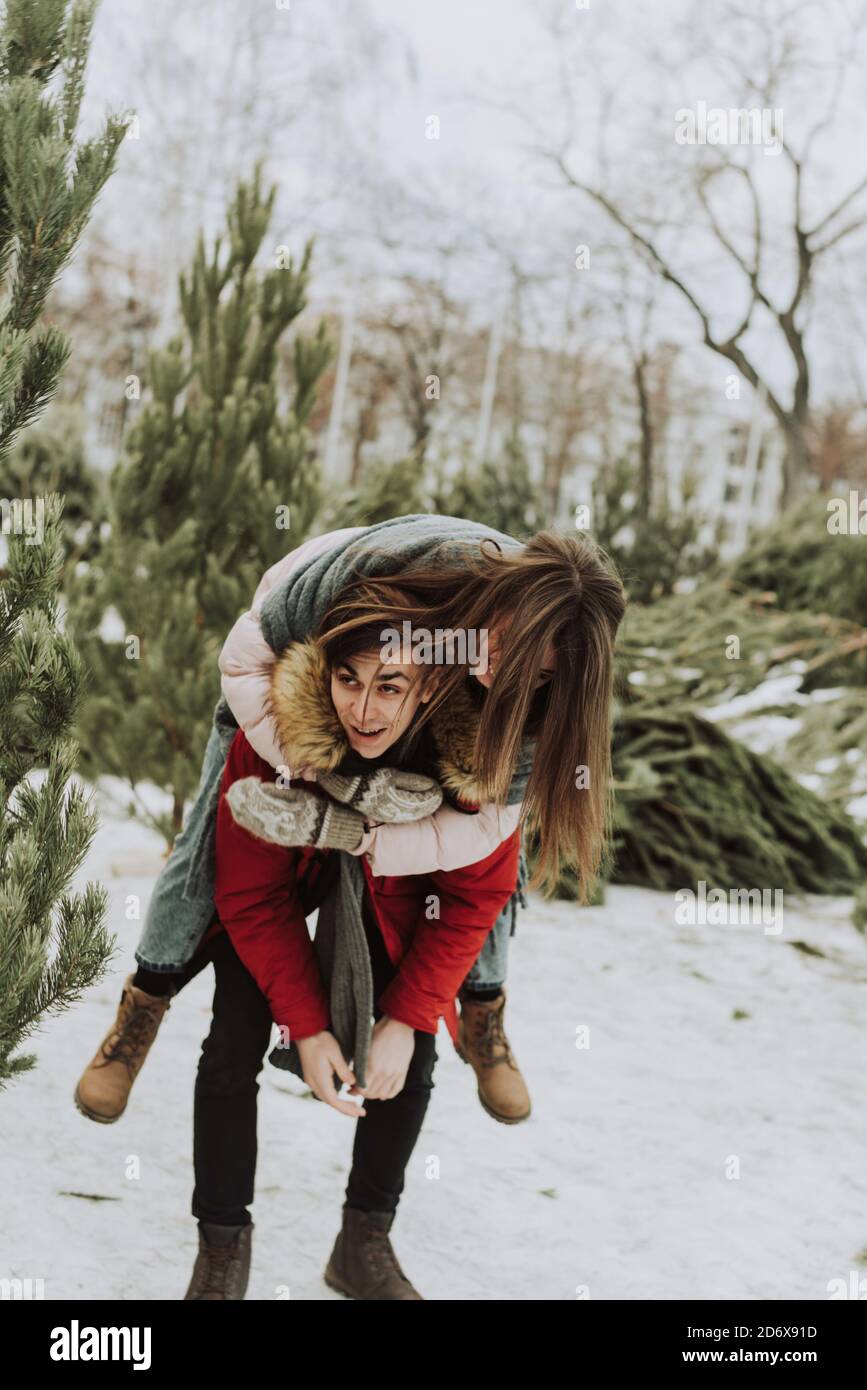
[376, 706]
[489, 656]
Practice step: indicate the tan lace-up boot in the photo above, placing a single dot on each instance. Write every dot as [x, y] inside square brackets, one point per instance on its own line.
[482, 1042]
[363, 1263]
[103, 1090]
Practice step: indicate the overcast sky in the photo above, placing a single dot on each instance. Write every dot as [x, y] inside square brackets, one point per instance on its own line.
[337, 93]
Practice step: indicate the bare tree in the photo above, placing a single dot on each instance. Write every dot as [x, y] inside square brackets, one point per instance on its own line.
[417, 349]
[637, 342]
[763, 52]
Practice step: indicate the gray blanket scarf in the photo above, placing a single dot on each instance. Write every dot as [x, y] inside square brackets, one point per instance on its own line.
[182, 903]
[343, 957]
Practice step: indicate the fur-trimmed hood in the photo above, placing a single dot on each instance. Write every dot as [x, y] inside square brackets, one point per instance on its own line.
[311, 735]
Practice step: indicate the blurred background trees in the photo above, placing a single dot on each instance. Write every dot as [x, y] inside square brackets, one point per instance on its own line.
[217, 481]
[542, 309]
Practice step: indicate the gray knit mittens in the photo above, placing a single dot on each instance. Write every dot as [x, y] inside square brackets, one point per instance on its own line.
[388, 794]
[292, 816]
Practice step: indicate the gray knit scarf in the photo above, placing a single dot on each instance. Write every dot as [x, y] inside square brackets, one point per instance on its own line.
[343, 956]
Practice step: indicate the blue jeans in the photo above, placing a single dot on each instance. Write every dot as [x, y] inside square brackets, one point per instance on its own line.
[492, 963]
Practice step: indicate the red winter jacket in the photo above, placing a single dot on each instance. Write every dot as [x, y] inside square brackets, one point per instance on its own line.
[258, 897]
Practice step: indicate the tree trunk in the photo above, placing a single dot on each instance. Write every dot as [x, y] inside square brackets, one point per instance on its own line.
[645, 476]
[796, 463]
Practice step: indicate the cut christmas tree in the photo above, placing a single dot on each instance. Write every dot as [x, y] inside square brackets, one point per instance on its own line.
[740, 742]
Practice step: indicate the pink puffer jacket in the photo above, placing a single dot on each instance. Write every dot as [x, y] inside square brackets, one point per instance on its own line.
[446, 840]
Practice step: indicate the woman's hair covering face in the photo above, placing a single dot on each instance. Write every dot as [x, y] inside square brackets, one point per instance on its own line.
[558, 590]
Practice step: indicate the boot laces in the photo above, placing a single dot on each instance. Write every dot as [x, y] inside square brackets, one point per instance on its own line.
[380, 1253]
[490, 1037]
[217, 1266]
[133, 1037]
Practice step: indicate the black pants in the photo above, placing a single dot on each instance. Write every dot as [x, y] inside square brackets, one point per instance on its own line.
[224, 1126]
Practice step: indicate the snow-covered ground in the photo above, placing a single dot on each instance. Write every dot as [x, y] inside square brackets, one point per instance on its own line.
[619, 1184]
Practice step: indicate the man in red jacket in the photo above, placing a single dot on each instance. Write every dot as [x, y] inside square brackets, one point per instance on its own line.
[266, 972]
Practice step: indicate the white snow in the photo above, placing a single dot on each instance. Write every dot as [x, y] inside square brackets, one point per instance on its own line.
[827, 765]
[810, 780]
[630, 1138]
[858, 808]
[751, 720]
[779, 690]
[766, 733]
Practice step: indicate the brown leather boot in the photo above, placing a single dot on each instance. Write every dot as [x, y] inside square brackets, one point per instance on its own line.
[103, 1090]
[222, 1268]
[483, 1043]
[363, 1263]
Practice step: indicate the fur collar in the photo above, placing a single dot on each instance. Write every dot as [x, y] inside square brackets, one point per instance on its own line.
[311, 735]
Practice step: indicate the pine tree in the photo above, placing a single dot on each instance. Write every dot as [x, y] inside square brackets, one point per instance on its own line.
[501, 493]
[49, 187]
[809, 563]
[651, 549]
[384, 490]
[218, 481]
[52, 943]
[50, 457]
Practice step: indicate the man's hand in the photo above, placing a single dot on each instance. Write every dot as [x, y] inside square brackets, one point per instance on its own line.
[391, 1049]
[320, 1057]
[291, 816]
[389, 794]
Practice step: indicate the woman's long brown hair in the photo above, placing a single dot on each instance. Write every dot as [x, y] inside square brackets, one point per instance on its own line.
[560, 590]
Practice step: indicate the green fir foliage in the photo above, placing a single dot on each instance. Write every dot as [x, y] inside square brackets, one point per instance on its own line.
[53, 943]
[218, 481]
